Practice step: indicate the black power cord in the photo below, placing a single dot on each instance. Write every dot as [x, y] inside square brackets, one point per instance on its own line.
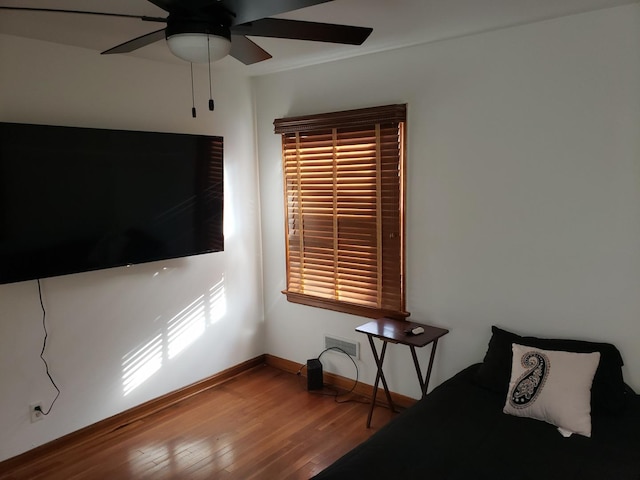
[335, 394]
[44, 346]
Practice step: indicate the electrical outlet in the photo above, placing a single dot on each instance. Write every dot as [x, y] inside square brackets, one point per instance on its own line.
[36, 414]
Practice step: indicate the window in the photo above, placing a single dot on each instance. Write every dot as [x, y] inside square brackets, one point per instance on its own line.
[344, 207]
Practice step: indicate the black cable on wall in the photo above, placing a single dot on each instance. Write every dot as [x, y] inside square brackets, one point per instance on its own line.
[44, 346]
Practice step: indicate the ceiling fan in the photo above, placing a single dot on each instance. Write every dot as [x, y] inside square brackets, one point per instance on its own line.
[203, 31]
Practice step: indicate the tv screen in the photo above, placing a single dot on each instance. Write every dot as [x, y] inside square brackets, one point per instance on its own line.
[79, 199]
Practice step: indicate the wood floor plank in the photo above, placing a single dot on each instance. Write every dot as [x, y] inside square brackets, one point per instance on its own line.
[262, 424]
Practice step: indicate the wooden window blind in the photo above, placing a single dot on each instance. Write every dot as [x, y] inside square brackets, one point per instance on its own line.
[344, 203]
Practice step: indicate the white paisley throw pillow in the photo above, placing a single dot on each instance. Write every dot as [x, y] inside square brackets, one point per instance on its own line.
[552, 386]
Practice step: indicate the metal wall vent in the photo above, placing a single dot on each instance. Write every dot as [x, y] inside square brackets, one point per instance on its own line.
[350, 347]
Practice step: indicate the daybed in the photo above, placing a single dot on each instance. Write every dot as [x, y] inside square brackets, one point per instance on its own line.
[460, 431]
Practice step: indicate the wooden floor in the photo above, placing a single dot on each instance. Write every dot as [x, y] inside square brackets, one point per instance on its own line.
[262, 424]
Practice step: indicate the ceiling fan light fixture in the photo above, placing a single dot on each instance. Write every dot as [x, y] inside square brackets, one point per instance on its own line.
[192, 47]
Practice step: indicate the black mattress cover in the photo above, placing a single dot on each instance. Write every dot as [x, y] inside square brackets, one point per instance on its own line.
[460, 432]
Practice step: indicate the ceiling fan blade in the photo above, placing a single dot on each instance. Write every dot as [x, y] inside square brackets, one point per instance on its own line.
[247, 51]
[299, 30]
[166, 5]
[249, 10]
[136, 43]
[84, 12]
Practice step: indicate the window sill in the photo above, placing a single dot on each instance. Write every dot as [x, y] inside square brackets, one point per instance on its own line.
[349, 308]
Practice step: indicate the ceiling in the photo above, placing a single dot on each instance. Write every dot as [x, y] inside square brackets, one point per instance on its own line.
[395, 23]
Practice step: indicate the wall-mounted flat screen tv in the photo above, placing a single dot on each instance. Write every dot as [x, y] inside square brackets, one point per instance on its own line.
[79, 199]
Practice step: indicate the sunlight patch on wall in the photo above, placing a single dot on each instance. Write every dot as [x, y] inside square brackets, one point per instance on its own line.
[141, 363]
[217, 301]
[229, 224]
[176, 336]
[186, 327]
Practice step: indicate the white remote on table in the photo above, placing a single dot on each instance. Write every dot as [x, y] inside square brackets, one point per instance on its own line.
[417, 330]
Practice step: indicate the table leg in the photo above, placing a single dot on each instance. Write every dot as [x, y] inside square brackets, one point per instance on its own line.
[418, 371]
[379, 376]
[433, 355]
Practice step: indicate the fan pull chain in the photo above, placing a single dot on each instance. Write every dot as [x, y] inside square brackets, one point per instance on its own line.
[209, 58]
[193, 97]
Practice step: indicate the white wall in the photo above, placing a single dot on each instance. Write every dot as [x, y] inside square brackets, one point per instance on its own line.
[97, 321]
[523, 188]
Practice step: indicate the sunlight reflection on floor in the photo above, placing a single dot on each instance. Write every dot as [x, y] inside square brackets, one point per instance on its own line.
[181, 457]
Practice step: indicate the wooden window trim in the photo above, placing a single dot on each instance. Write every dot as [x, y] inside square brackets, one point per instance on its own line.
[309, 205]
[363, 117]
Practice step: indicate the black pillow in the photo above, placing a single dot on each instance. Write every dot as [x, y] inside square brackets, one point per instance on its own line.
[607, 391]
